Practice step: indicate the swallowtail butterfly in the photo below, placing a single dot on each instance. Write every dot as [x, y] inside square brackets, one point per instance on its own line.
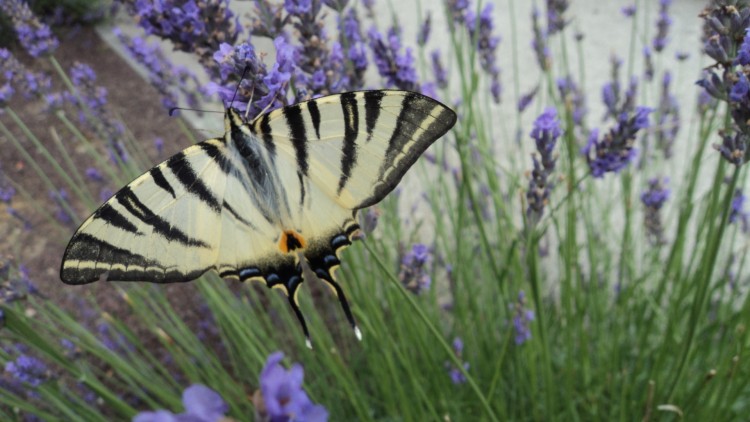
[265, 199]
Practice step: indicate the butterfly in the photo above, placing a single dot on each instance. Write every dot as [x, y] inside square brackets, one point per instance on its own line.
[269, 197]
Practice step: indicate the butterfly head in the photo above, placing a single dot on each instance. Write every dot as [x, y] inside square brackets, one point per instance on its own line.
[232, 118]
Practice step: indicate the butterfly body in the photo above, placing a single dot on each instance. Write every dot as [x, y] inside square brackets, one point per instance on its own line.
[266, 199]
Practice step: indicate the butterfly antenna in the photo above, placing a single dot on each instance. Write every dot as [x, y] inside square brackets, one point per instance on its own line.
[237, 89]
[173, 109]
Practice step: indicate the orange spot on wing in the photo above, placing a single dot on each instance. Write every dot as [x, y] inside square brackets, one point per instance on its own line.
[290, 240]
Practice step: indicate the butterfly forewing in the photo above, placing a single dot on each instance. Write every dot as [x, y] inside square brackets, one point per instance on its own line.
[360, 144]
[271, 194]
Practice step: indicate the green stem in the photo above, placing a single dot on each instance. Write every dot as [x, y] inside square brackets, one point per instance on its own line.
[435, 332]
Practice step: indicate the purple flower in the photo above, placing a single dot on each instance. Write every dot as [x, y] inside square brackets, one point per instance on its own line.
[159, 145]
[6, 92]
[734, 148]
[573, 98]
[424, 30]
[669, 118]
[192, 27]
[19, 286]
[91, 100]
[555, 11]
[653, 199]
[283, 396]
[539, 42]
[714, 86]
[628, 11]
[231, 63]
[105, 194]
[60, 198]
[457, 10]
[616, 149]
[648, 63]
[662, 26]
[441, 75]
[167, 78]
[395, 65]
[298, 7]
[19, 79]
[522, 318]
[481, 33]
[457, 377]
[681, 55]
[743, 55]
[737, 211]
[724, 30]
[94, 174]
[111, 339]
[7, 193]
[34, 36]
[458, 345]
[28, 370]
[545, 133]
[268, 19]
[202, 404]
[415, 267]
[526, 99]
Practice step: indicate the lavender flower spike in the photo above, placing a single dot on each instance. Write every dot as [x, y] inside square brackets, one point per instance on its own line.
[737, 211]
[393, 64]
[415, 265]
[522, 319]
[27, 369]
[457, 377]
[616, 149]
[545, 133]
[481, 33]
[662, 26]
[734, 148]
[35, 37]
[653, 199]
[555, 20]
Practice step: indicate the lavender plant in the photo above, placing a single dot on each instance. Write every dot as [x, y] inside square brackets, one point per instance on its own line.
[553, 286]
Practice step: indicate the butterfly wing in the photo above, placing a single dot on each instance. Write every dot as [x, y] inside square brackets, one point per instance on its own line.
[357, 146]
[167, 225]
[251, 204]
[350, 151]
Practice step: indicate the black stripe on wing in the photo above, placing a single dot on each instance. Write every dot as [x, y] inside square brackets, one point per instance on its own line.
[113, 217]
[184, 172]
[312, 108]
[351, 130]
[161, 181]
[416, 109]
[297, 135]
[265, 130]
[130, 201]
[85, 249]
[372, 110]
